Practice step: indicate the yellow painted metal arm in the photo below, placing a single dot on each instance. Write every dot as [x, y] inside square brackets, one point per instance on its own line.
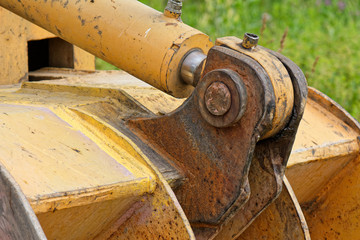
[126, 33]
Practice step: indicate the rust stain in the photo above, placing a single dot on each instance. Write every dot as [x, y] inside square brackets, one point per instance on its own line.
[171, 24]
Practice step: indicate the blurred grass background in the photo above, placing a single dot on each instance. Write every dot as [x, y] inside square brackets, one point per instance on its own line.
[321, 36]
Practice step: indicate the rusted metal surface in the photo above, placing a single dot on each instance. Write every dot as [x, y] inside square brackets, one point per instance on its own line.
[218, 98]
[327, 214]
[214, 190]
[17, 219]
[214, 187]
[155, 217]
[282, 220]
[279, 77]
[211, 162]
[270, 158]
[223, 152]
[222, 97]
[69, 204]
[250, 40]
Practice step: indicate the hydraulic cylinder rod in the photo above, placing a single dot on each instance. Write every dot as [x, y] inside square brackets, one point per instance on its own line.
[126, 33]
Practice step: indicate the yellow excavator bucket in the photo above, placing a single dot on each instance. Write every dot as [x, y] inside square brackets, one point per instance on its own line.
[201, 141]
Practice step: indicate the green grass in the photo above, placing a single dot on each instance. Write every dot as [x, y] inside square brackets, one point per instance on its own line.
[322, 36]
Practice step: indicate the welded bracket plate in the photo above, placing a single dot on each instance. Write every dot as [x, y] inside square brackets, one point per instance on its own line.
[222, 165]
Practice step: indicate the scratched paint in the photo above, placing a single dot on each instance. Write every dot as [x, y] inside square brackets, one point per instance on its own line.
[102, 28]
[147, 32]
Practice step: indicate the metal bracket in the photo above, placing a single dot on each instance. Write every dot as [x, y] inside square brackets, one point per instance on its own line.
[215, 145]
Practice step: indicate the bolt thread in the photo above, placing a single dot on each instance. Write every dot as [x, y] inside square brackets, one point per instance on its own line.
[250, 40]
[174, 6]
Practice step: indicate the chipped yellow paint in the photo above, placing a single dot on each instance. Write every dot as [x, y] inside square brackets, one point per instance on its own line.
[85, 179]
[52, 161]
[324, 145]
[323, 169]
[108, 83]
[163, 195]
[122, 33]
[81, 175]
[323, 165]
[280, 80]
[62, 172]
[163, 205]
[335, 213]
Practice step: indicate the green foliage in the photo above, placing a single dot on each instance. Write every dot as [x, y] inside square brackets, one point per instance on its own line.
[100, 64]
[321, 36]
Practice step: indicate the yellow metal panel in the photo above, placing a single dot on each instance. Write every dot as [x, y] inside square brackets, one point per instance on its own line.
[325, 143]
[335, 215]
[310, 178]
[324, 169]
[52, 161]
[320, 129]
[83, 222]
[112, 210]
[322, 160]
[13, 48]
[34, 32]
[158, 216]
[83, 60]
[157, 213]
[153, 99]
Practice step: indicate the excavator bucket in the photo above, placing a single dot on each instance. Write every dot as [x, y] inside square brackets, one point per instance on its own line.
[203, 140]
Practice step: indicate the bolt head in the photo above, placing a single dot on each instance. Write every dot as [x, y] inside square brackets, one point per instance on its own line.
[221, 97]
[218, 98]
